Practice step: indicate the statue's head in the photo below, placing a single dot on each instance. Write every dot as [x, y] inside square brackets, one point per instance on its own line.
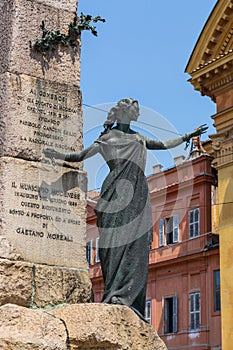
[127, 107]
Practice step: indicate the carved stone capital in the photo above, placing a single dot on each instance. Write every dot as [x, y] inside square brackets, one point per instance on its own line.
[222, 147]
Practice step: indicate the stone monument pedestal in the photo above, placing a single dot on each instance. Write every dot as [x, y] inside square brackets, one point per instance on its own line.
[42, 202]
[73, 327]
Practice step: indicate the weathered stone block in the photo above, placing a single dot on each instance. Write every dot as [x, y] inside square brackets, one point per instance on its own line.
[37, 114]
[15, 282]
[103, 326]
[60, 285]
[17, 31]
[25, 329]
[41, 286]
[43, 211]
[83, 326]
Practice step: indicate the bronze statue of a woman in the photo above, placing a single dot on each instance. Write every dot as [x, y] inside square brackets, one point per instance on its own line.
[123, 211]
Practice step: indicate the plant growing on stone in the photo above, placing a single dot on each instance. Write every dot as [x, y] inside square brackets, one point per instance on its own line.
[51, 39]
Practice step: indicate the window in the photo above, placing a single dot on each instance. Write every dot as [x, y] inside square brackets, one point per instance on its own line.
[89, 252]
[217, 303]
[170, 315]
[194, 311]
[194, 227]
[148, 311]
[97, 257]
[172, 230]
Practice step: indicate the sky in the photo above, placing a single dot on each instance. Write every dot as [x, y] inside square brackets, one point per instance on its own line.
[141, 51]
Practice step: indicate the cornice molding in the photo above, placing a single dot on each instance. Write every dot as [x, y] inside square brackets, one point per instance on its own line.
[215, 77]
[216, 37]
[223, 120]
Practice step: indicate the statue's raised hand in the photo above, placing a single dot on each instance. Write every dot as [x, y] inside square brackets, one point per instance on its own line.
[200, 130]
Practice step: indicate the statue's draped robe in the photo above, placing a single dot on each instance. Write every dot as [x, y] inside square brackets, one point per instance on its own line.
[124, 220]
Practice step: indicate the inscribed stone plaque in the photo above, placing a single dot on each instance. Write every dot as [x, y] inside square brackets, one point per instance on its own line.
[17, 31]
[42, 210]
[36, 114]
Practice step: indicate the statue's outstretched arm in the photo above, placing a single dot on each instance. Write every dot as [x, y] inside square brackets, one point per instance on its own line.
[156, 144]
[73, 156]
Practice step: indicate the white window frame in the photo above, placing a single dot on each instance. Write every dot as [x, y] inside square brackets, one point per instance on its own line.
[97, 257]
[194, 225]
[148, 311]
[170, 317]
[195, 311]
[161, 232]
[176, 224]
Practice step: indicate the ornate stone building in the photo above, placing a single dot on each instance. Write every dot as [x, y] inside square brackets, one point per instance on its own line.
[211, 70]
